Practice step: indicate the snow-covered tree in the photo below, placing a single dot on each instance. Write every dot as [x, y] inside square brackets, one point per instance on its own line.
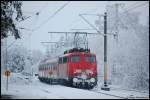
[16, 59]
[128, 63]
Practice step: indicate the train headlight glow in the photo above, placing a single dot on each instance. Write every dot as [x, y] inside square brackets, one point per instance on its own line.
[83, 76]
[92, 79]
[89, 71]
[75, 80]
[78, 71]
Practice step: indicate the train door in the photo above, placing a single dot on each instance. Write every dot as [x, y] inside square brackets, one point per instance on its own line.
[60, 61]
[65, 67]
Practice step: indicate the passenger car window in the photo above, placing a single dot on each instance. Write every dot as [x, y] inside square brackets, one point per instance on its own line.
[75, 59]
[90, 59]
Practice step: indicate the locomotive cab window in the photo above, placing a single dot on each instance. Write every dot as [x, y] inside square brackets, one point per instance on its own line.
[90, 59]
[65, 59]
[75, 59]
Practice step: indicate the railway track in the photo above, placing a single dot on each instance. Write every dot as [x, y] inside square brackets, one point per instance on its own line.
[119, 97]
[112, 88]
[122, 97]
[111, 95]
[130, 90]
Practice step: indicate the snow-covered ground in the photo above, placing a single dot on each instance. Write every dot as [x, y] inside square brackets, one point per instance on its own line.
[20, 87]
[124, 93]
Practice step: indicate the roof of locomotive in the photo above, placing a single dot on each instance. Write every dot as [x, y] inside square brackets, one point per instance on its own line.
[78, 53]
[72, 53]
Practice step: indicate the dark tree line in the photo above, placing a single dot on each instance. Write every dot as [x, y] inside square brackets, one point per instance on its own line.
[9, 9]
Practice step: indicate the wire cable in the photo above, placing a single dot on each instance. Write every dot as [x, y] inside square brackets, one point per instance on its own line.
[58, 10]
[135, 7]
[121, 14]
[46, 4]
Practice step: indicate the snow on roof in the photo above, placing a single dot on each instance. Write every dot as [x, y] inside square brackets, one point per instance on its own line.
[49, 60]
[52, 60]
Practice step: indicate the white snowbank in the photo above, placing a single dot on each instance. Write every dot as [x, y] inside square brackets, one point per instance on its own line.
[22, 88]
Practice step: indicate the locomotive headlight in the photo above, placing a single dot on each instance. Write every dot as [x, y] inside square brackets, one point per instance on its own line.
[83, 76]
[92, 79]
[78, 71]
[89, 71]
[75, 80]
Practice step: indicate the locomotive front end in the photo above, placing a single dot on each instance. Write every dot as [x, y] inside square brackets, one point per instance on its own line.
[84, 78]
[84, 70]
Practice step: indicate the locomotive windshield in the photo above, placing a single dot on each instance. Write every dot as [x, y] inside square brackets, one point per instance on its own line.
[90, 59]
[75, 59]
[63, 60]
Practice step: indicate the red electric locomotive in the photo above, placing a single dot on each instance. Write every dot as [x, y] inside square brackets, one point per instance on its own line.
[77, 67]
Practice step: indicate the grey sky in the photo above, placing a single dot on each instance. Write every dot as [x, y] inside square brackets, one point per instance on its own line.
[64, 20]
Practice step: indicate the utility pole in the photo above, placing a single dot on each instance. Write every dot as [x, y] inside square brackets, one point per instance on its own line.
[105, 86]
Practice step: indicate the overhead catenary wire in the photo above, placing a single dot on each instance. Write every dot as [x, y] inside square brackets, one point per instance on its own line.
[81, 15]
[24, 19]
[126, 12]
[56, 12]
[77, 20]
[132, 23]
[12, 43]
[46, 4]
[130, 9]
[135, 6]
[35, 13]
